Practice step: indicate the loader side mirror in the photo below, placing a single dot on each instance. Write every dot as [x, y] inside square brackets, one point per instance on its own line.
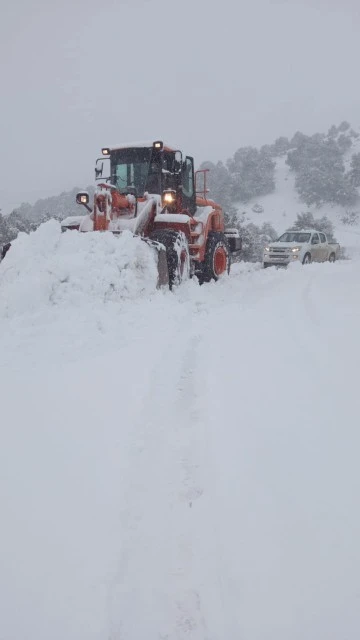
[102, 167]
[99, 167]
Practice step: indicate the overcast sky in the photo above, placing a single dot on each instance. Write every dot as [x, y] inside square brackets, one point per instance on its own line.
[209, 76]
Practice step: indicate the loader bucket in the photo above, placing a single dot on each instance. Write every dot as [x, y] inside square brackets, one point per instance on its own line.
[163, 272]
[162, 264]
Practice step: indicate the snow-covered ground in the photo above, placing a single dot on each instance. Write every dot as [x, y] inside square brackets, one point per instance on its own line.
[176, 465]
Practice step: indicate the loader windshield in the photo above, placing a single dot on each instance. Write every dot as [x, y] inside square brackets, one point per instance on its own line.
[131, 168]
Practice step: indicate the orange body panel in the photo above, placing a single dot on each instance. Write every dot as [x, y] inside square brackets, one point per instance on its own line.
[119, 201]
[196, 231]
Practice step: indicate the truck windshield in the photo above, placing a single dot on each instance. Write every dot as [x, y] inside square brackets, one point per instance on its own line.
[293, 236]
[130, 168]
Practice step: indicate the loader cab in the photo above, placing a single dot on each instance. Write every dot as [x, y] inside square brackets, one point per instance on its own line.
[154, 170]
[139, 169]
[130, 169]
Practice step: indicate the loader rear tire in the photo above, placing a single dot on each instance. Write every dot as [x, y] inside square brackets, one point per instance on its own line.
[177, 254]
[217, 258]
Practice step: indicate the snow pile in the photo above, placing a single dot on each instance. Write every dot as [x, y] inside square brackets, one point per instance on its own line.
[51, 268]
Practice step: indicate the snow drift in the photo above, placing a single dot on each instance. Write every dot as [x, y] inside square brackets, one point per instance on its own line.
[49, 267]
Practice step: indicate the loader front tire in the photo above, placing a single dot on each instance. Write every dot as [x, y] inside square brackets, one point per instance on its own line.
[217, 258]
[177, 254]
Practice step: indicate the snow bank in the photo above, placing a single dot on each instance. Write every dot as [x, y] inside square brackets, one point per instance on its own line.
[70, 269]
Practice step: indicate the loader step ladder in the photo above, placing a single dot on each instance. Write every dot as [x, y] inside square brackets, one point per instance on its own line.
[195, 235]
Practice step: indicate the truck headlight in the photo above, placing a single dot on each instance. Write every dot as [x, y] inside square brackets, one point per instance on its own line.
[267, 249]
[295, 249]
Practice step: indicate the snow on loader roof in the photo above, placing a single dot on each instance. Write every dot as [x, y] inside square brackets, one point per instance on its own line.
[143, 144]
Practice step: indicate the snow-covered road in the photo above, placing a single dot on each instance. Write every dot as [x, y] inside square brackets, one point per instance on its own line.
[177, 465]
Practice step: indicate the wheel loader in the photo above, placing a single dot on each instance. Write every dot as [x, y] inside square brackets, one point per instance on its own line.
[153, 191]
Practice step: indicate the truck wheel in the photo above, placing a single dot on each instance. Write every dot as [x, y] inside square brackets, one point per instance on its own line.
[332, 257]
[177, 254]
[217, 257]
[307, 258]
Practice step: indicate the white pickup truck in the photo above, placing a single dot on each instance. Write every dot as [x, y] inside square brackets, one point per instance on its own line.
[302, 246]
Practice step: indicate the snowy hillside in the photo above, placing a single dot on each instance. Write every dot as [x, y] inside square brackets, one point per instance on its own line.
[281, 207]
[176, 465]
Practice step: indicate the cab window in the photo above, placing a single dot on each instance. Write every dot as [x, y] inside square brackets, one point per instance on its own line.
[130, 168]
[322, 237]
[315, 239]
[188, 182]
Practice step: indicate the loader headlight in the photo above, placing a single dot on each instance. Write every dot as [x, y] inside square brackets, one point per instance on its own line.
[105, 151]
[295, 249]
[169, 197]
[158, 144]
[82, 197]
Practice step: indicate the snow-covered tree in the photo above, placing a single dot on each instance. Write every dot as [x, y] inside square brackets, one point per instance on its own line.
[354, 173]
[280, 146]
[307, 221]
[219, 183]
[320, 172]
[344, 126]
[254, 239]
[252, 173]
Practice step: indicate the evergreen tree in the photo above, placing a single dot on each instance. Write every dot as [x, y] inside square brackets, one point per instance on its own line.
[218, 182]
[344, 126]
[280, 146]
[307, 221]
[320, 172]
[254, 239]
[354, 173]
[252, 173]
[344, 142]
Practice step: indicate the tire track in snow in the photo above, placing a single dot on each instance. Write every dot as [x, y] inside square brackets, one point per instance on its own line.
[309, 311]
[201, 465]
[189, 604]
[162, 511]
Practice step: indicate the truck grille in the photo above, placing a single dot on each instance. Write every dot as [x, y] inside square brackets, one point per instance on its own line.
[279, 254]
